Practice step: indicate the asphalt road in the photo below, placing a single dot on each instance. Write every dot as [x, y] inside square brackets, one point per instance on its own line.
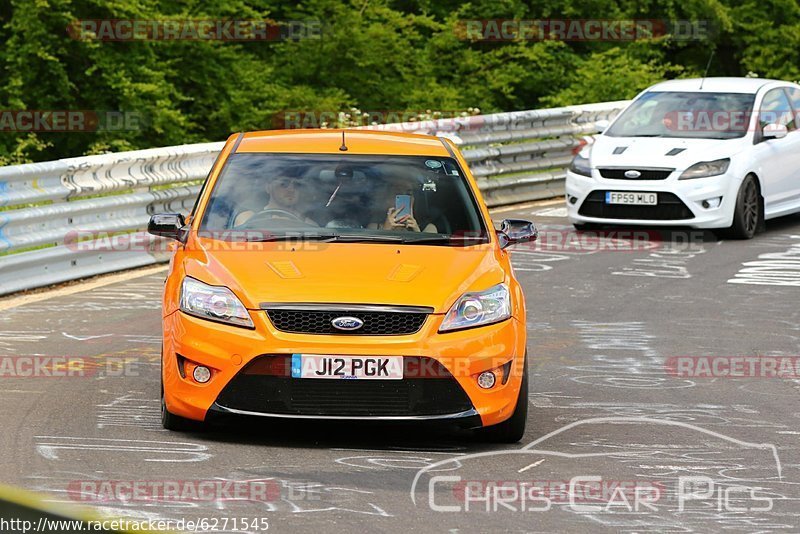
[673, 451]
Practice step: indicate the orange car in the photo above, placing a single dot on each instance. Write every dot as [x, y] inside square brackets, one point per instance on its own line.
[334, 274]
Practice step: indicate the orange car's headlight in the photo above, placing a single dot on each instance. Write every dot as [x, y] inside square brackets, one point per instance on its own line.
[478, 309]
[215, 303]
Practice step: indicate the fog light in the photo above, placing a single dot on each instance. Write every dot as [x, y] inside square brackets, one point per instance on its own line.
[201, 374]
[712, 202]
[486, 380]
[573, 200]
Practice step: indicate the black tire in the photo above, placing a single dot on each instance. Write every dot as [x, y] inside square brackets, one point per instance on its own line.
[748, 215]
[512, 429]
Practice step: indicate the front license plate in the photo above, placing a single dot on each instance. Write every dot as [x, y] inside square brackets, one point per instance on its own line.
[641, 199]
[352, 367]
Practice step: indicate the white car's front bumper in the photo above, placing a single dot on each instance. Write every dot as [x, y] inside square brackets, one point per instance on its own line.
[691, 193]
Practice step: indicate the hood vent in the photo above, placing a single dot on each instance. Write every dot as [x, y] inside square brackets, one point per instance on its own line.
[620, 150]
[675, 151]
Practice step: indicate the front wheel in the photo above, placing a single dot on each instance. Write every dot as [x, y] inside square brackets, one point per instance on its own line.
[512, 429]
[169, 420]
[747, 213]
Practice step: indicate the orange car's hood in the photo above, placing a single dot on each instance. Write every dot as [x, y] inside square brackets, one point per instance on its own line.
[352, 273]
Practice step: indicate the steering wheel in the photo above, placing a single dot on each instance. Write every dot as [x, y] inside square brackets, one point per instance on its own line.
[274, 213]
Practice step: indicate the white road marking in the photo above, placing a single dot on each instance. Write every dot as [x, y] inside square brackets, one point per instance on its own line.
[667, 262]
[84, 338]
[399, 451]
[551, 212]
[157, 451]
[534, 464]
[518, 207]
[772, 268]
[401, 462]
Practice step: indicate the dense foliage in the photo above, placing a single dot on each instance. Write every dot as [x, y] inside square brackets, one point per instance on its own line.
[373, 55]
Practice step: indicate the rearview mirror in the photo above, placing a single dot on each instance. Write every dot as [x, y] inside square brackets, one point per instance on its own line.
[514, 231]
[601, 125]
[775, 131]
[167, 225]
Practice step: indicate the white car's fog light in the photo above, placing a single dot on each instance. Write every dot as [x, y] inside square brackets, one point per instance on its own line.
[712, 202]
[201, 374]
[486, 380]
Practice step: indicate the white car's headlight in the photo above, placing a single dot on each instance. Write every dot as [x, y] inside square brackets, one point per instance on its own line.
[580, 164]
[478, 308]
[215, 303]
[705, 169]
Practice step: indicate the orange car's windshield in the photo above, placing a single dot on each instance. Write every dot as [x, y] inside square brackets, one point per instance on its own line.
[404, 198]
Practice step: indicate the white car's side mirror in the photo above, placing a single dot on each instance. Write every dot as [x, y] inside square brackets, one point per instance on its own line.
[775, 131]
[601, 125]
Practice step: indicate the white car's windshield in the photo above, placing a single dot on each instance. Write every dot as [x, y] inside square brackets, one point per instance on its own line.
[685, 115]
[408, 198]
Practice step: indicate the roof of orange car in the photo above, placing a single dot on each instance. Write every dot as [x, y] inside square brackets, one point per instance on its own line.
[329, 142]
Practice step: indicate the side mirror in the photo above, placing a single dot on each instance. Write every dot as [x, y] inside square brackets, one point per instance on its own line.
[601, 125]
[775, 131]
[169, 225]
[513, 231]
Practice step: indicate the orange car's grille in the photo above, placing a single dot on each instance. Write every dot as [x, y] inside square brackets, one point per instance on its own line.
[265, 386]
[320, 322]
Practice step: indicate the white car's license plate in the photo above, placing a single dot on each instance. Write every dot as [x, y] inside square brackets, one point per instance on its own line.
[627, 197]
[352, 367]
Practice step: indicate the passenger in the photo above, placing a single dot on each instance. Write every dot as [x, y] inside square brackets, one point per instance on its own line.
[400, 186]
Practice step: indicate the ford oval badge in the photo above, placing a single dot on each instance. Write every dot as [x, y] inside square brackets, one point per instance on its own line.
[632, 174]
[347, 323]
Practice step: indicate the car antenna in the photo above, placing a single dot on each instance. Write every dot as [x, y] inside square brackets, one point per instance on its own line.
[343, 148]
[708, 65]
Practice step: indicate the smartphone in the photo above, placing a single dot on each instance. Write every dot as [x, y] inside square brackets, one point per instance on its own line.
[402, 203]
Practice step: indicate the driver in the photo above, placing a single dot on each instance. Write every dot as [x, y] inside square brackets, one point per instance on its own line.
[284, 195]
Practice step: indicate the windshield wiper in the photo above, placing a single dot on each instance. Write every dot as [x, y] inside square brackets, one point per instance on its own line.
[370, 238]
[358, 238]
[296, 237]
[445, 240]
[330, 238]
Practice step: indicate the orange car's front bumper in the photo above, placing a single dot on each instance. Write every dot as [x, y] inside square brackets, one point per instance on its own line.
[228, 349]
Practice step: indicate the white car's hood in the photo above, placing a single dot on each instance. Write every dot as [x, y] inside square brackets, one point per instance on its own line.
[652, 151]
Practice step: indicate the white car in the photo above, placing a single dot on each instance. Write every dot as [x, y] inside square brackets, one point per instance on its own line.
[721, 153]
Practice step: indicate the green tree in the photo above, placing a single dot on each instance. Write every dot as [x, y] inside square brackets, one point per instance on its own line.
[375, 55]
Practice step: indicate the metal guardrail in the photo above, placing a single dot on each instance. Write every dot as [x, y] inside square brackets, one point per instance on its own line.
[522, 155]
[516, 157]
